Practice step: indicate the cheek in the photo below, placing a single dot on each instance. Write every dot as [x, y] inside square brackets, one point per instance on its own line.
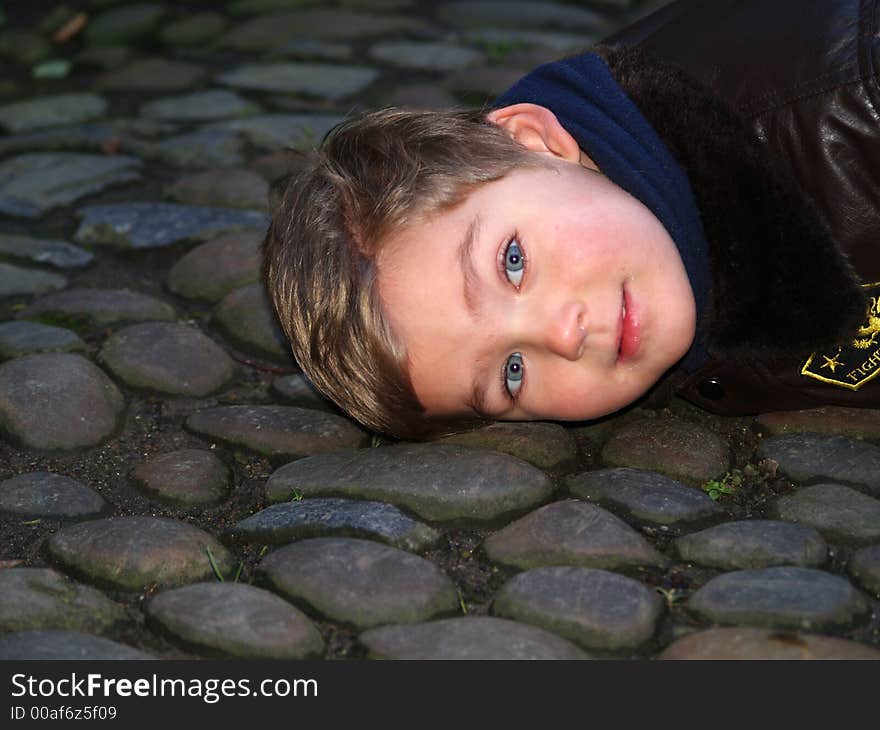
[581, 249]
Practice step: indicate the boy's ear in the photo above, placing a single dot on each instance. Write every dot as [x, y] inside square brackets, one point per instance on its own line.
[537, 129]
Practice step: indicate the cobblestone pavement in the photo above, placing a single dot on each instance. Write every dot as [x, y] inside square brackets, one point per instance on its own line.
[170, 486]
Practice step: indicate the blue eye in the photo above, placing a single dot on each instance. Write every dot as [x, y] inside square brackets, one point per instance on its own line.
[513, 373]
[514, 262]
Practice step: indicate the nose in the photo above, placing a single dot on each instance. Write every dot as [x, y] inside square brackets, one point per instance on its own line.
[562, 330]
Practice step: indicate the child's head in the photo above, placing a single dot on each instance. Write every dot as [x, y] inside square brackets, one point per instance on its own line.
[439, 268]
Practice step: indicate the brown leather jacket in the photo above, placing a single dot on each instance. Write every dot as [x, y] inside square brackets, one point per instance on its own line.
[803, 76]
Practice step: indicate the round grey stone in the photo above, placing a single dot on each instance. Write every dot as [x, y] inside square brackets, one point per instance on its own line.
[235, 620]
[780, 597]
[168, 358]
[594, 608]
[840, 513]
[133, 553]
[359, 582]
[39, 598]
[809, 458]
[246, 316]
[471, 637]
[546, 445]
[100, 306]
[28, 338]
[103, 58]
[753, 643]
[438, 482]
[754, 544]
[213, 269]
[49, 111]
[296, 390]
[420, 96]
[153, 225]
[59, 254]
[198, 149]
[310, 50]
[680, 449]
[333, 82]
[486, 80]
[426, 56]
[57, 401]
[18, 281]
[193, 30]
[33, 183]
[24, 46]
[130, 133]
[152, 74]
[279, 432]
[42, 494]
[60, 644]
[571, 533]
[288, 521]
[122, 25]
[276, 30]
[226, 187]
[864, 567]
[74, 137]
[199, 106]
[188, 476]
[271, 131]
[645, 496]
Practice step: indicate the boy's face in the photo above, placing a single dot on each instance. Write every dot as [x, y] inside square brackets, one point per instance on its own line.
[549, 294]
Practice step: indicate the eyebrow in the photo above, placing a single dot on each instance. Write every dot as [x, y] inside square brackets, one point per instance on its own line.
[468, 269]
[477, 400]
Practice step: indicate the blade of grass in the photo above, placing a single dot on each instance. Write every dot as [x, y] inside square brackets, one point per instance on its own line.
[214, 564]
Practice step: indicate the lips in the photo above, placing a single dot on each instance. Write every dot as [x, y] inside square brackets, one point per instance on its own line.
[630, 328]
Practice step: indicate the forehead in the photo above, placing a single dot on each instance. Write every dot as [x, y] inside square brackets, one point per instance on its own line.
[472, 197]
[421, 287]
[418, 269]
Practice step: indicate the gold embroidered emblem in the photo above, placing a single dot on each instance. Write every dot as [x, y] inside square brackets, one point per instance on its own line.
[859, 360]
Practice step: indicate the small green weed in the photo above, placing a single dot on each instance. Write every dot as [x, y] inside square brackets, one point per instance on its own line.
[461, 602]
[672, 595]
[213, 563]
[498, 51]
[308, 139]
[728, 484]
[216, 569]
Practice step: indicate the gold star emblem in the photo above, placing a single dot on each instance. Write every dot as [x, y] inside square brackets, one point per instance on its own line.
[831, 362]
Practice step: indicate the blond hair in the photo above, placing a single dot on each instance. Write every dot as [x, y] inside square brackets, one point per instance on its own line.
[372, 175]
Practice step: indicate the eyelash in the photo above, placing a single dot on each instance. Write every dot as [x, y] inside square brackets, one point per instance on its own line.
[501, 256]
[502, 269]
[504, 388]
